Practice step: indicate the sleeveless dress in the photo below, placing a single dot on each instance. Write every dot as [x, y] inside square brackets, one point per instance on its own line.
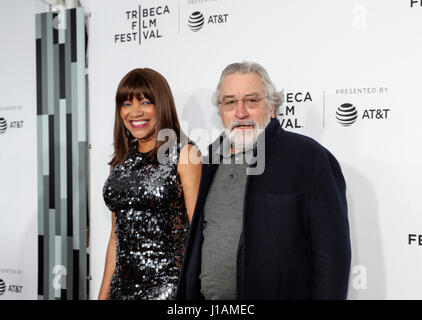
[151, 227]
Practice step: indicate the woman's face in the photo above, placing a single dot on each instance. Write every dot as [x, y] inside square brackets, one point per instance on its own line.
[138, 117]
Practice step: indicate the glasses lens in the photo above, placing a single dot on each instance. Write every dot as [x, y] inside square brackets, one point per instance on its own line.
[252, 102]
[228, 103]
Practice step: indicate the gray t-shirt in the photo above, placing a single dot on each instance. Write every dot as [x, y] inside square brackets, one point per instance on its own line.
[223, 215]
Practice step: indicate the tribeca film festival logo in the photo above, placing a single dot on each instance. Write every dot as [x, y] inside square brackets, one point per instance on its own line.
[415, 3]
[4, 125]
[289, 119]
[143, 24]
[347, 114]
[197, 20]
[414, 239]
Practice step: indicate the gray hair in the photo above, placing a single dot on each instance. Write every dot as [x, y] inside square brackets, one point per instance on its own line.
[274, 98]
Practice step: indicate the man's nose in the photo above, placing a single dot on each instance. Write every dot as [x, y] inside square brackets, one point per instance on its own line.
[241, 111]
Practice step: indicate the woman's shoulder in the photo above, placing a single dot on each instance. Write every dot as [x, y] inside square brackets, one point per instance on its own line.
[189, 152]
[185, 143]
[186, 147]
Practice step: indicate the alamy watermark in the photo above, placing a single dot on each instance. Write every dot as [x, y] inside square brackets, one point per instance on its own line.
[250, 143]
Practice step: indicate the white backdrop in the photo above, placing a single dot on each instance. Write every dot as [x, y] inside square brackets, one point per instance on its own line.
[18, 144]
[324, 54]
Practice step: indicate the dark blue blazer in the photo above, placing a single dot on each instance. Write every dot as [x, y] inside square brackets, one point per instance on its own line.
[295, 240]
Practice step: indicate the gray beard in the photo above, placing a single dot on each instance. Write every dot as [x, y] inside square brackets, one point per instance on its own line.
[244, 140]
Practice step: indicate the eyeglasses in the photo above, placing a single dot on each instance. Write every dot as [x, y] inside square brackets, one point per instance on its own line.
[250, 102]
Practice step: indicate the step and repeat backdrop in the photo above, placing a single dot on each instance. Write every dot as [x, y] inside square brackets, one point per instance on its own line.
[352, 77]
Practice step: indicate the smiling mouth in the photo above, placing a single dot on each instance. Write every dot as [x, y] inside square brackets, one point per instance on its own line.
[139, 123]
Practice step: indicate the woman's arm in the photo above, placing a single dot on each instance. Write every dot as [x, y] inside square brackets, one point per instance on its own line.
[189, 169]
[110, 263]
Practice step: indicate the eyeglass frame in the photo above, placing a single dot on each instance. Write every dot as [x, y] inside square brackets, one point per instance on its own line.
[236, 101]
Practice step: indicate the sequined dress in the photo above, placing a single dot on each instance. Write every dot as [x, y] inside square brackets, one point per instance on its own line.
[151, 227]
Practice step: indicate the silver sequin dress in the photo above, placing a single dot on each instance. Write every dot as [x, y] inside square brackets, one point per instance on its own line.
[151, 227]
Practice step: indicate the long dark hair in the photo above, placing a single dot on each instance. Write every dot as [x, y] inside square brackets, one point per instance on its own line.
[153, 86]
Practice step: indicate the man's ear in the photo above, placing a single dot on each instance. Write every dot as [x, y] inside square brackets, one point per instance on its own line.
[273, 113]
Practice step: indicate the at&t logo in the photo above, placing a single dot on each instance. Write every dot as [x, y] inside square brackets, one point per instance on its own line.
[347, 114]
[12, 288]
[2, 287]
[3, 125]
[197, 21]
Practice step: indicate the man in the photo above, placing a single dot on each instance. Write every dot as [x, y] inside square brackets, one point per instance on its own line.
[280, 234]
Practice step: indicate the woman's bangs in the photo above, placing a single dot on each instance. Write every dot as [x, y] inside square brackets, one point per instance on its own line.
[134, 86]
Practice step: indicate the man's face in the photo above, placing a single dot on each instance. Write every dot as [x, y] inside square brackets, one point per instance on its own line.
[242, 118]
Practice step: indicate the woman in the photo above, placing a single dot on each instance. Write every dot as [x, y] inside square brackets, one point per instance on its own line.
[151, 193]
